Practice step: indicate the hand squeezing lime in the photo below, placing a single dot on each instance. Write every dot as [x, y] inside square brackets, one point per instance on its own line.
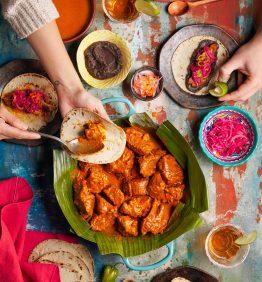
[220, 89]
[147, 7]
[246, 239]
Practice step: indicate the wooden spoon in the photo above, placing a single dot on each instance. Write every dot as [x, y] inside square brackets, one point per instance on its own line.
[180, 7]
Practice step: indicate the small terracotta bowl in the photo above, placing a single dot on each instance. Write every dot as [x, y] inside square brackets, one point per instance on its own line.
[159, 88]
[88, 25]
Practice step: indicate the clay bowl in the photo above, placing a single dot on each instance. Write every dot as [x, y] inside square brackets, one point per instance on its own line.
[89, 23]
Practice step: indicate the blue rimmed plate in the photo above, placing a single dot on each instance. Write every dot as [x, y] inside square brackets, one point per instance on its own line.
[229, 112]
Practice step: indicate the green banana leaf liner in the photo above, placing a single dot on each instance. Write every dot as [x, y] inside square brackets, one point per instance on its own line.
[185, 217]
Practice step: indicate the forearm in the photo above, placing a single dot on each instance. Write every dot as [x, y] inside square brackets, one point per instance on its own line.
[50, 49]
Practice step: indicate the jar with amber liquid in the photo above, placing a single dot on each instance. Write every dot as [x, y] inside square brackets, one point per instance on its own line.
[121, 10]
[221, 248]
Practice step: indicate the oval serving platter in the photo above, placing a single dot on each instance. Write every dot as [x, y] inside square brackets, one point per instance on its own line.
[18, 67]
[183, 98]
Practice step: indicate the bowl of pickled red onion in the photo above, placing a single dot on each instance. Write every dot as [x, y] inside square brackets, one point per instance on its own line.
[147, 83]
[228, 136]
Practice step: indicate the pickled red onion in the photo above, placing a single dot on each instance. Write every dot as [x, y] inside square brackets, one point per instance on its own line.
[29, 101]
[228, 136]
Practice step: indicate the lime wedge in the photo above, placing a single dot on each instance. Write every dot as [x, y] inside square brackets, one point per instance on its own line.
[220, 89]
[147, 7]
[247, 238]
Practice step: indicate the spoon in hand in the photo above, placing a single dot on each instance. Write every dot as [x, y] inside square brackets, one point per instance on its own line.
[74, 146]
[180, 7]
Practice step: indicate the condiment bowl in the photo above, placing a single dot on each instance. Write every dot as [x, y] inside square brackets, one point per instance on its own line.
[160, 83]
[243, 117]
[123, 21]
[89, 22]
[240, 256]
[104, 35]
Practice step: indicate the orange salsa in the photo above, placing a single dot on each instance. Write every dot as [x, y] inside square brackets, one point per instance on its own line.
[74, 16]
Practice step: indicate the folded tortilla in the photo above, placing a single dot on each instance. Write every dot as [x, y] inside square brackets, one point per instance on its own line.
[33, 121]
[181, 60]
[114, 143]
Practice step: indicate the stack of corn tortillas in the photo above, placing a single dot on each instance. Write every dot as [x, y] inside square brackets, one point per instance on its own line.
[74, 260]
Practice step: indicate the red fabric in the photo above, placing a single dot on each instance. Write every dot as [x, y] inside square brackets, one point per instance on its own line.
[15, 242]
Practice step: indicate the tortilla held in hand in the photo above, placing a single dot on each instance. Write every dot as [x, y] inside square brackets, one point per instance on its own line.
[32, 99]
[74, 260]
[110, 139]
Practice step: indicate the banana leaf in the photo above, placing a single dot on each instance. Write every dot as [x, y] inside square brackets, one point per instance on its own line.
[185, 217]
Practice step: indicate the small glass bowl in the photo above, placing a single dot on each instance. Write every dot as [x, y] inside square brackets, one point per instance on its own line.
[240, 256]
[132, 19]
[160, 84]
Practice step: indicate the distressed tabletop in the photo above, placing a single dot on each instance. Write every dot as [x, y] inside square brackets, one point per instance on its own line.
[234, 193]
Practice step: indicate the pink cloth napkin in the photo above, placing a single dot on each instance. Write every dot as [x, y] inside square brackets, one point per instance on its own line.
[15, 242]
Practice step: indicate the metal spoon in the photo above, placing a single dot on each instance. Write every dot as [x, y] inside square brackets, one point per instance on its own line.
[74, 146]
[180, 7]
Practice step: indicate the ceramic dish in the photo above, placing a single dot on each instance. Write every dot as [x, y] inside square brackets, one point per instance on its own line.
[244, 118]
[159, 87]
[173, 63]
[104, 35]
[88, 24]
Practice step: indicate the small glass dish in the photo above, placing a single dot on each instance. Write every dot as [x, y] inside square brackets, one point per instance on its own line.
[237, 259]
[131, 18]
[159, 87]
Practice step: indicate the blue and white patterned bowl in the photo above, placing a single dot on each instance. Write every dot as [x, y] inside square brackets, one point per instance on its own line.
[236, 113]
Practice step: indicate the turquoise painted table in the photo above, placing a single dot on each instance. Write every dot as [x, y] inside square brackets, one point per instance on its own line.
[234, 193]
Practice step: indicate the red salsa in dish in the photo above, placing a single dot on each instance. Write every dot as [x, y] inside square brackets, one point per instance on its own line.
[146, 83]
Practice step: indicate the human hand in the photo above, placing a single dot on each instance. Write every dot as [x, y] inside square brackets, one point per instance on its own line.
[248, 61]
[81, 99]
[11, 127]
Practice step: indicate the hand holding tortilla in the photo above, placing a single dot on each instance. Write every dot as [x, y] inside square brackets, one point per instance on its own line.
[32, 99]
[80, 99]
[11, 127]
[105, 139]
[247, 60]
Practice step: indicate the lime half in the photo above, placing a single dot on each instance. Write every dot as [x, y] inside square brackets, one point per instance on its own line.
[247, 239]
[220, 89]
[147, 7]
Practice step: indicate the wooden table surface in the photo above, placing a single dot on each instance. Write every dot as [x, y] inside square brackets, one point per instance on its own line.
[234, 193]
